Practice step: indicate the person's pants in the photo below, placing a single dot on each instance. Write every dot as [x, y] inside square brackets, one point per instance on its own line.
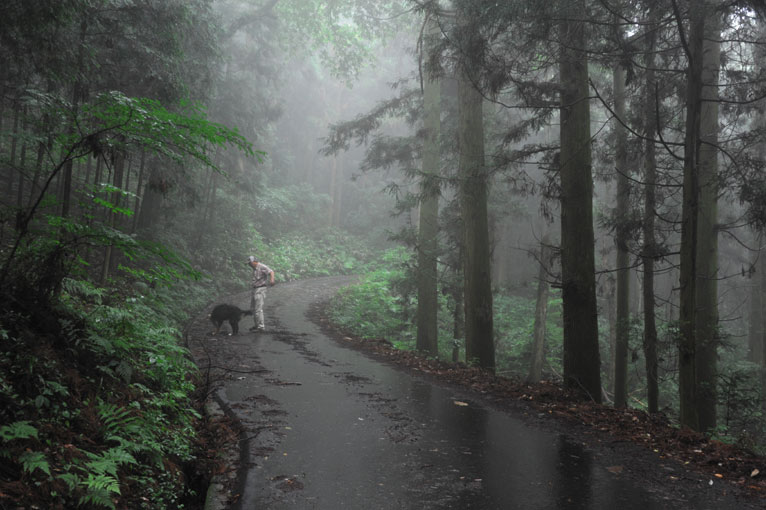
[257, 297]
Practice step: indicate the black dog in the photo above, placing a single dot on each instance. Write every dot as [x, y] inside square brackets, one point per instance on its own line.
[229, 313]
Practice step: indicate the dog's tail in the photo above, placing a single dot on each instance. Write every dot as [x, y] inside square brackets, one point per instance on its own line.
[247, 312]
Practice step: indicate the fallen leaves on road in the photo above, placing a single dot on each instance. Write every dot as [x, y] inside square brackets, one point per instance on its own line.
[691, 450]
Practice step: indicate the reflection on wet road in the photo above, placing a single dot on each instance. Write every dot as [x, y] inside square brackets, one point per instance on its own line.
[329, 428]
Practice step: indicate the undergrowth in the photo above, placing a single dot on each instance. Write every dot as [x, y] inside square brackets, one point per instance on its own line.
[97, 397]
[99, 400]
[383, 304]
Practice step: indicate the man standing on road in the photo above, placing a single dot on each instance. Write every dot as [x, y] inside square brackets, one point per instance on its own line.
[262, 276]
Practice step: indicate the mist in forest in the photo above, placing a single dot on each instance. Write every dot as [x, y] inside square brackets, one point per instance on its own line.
[519, 188]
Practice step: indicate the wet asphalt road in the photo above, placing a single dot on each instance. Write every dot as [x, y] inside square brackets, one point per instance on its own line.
[328, 428]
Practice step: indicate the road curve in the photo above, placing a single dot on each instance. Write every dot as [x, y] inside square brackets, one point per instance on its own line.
[326, 427]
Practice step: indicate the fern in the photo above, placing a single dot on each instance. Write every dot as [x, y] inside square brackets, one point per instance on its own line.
[100, 344]
[105, 483]
[83, 289]
[120, 456]
[124, 370]
[17, 430]
[118, 420]
[70, 479]
[31, 461]
[99, 491]
[108, 462]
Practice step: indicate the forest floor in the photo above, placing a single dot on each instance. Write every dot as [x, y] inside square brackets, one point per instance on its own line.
[722, 463]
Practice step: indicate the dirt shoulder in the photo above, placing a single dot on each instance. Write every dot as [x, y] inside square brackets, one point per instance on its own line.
[678, 453]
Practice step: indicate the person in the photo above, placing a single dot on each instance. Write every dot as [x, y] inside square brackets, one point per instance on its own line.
[263, 276]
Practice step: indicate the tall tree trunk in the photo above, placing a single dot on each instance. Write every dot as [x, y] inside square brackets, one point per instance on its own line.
[88, 169]
[150, 202]
[687, 366]
[22, 163]
[137, 203]
[622, 319]
[458, 329]
[337, 196]
[756, 321]
[611, 314]
[12, 170]
[479, 341]
[124, 185]
[42, 148]
[761, 283]
[541, 315]
[66, 189]
[757, 326]
[119, 164]
[649, 250]
[707, 230]
[309, 158]
[428, 222]
[331, 191]
[582, 361]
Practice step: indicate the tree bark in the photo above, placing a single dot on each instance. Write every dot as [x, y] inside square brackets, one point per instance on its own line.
[756, 320]
[479, 340]
[137, 203]
[14, 143]
[66, 189]
[541, 315]
[649, 250]
[22, 163]
[337, 196]
[582, 361]
[761, 282]
[458, 324]
[150, 202]
[331, 191]
[687, 366]
[119, 164]
[707, 230]
[428, 223]
[622, 319]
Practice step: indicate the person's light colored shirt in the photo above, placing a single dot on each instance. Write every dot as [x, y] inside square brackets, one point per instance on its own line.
[261, 274]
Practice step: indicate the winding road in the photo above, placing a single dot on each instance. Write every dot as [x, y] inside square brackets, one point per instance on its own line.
[326, 427]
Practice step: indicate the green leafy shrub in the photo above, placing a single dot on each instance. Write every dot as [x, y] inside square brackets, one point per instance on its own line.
[372, 308]
[322, 253]
[136, 415]
[383, 305]
[514, 322]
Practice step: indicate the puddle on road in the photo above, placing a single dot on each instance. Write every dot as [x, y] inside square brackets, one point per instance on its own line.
[351, 433]
[384, 440]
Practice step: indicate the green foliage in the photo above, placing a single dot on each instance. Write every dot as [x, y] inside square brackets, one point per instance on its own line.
[18, 430]
[293, 208]
[514, 321]
[115, 118]
[99, 369]
[382, 305]
[371, 308]
[83, 291]
[740, 417]
[97, 480]
[321, 253]
[122, 347]
[99, 490]
[340, 32]
[30, 461]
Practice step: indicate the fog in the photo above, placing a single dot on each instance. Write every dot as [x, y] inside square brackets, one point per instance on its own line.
[335, 137]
